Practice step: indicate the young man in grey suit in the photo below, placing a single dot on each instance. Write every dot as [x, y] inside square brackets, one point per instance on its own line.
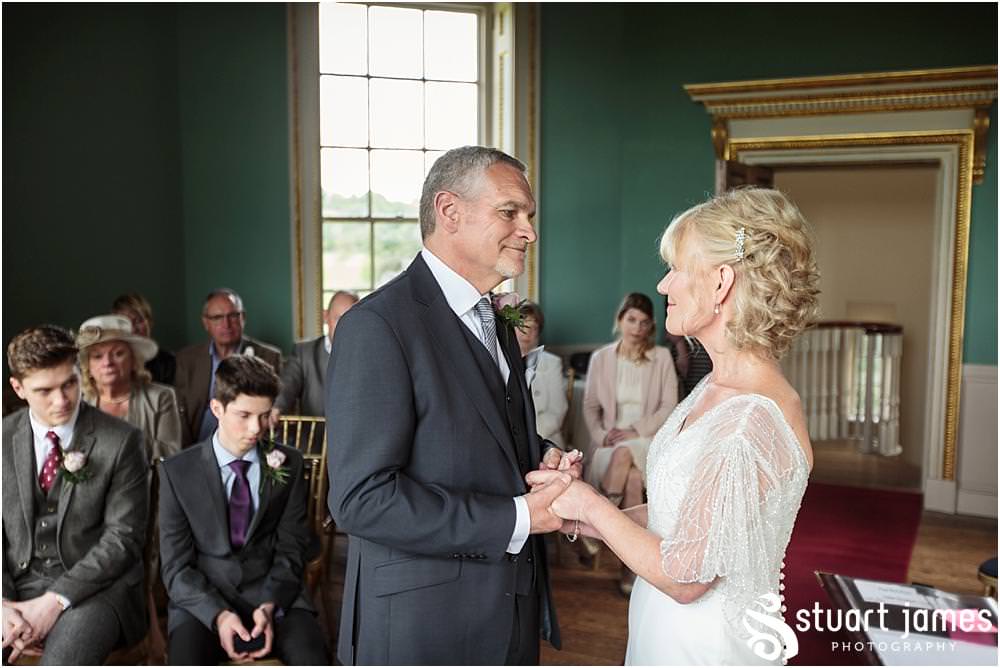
[305, 369]
[432, 432]
[224, 319]
[234, 534]
[74, 513]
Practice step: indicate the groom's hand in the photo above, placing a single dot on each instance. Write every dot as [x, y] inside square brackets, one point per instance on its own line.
[543, 520]
[556, 460]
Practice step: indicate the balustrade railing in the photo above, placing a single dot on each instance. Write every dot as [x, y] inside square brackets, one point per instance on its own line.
[847, 374]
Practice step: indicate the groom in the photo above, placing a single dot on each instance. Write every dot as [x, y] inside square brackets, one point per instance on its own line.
[432, 431]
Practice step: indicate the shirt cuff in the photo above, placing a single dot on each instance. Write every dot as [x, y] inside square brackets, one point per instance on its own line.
[63, 601]
[522, 526]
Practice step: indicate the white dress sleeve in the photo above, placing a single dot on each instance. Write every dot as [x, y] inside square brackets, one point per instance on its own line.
[736, 516]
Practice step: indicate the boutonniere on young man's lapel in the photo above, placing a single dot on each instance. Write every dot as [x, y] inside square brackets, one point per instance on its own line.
[273, 467]
[74, 467]
[508, 307]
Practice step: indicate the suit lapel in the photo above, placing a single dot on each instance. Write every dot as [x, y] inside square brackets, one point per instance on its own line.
[512, 352]
[446, 333]
[24, 467]
[200, 385]
[213, 484]
[322, 359]
[266, 492]
[83, 441]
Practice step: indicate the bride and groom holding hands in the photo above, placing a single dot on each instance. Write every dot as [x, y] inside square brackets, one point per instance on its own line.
[438, 475]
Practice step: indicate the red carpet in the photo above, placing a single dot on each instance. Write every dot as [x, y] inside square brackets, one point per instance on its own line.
[865, 533]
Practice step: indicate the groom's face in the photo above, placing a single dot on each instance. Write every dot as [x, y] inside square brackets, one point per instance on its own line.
[497, 223]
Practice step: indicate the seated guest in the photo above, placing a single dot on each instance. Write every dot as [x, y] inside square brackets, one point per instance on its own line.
[116, 381]
[234, 533]
[302, 377]
[223, 317]
[631, 390]
[548, 386]
[74, 513]
[163, 365]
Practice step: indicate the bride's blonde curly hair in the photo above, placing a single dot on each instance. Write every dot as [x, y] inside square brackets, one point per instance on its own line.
[776, 286]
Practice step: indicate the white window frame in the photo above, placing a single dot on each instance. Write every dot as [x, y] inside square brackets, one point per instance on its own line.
[507, 94]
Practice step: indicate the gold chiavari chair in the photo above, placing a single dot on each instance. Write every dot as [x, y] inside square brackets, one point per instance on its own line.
[308, 435]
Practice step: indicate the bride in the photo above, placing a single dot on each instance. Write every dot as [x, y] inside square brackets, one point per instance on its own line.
[727, 471]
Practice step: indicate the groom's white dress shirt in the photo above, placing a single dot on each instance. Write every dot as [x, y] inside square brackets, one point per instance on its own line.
[462, 297]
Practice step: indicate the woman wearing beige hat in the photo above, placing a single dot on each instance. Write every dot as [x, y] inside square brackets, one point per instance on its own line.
[116, 381]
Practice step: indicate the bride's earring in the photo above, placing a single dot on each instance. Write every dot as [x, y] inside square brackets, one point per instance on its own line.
[716, 309]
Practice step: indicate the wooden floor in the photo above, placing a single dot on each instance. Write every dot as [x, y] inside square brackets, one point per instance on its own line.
[593, 614]
[840, 463]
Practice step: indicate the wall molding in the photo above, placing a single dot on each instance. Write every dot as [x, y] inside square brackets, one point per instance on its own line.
[977, 442]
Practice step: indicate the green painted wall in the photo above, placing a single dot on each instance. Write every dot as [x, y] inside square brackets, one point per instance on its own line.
[145, 148]
[624, 148]
[233, 105]
[91, 162]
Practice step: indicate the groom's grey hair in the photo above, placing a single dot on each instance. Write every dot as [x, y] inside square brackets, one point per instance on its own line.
[458, 171]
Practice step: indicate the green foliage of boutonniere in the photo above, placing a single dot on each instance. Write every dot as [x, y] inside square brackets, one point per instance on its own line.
[273, 467]
[508, 307]
[74, 467]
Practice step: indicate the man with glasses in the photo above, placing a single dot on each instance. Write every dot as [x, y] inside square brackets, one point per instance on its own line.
[223, 317]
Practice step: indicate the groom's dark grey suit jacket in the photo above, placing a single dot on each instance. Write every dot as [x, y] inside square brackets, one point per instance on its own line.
[423, 470]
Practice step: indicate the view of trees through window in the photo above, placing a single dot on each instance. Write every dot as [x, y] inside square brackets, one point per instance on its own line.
[399, 86]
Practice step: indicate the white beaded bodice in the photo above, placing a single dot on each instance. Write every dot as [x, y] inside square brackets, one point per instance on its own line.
[723, 496]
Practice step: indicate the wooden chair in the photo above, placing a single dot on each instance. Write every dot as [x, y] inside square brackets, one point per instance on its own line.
[308, 435]
[988, 576]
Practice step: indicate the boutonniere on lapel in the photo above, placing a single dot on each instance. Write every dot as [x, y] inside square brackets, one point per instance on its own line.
[508, 307]
[74, 467]
[273, 468]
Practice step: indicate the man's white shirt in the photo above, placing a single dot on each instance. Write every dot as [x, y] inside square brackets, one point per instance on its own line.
[43, 445]
[462, 297]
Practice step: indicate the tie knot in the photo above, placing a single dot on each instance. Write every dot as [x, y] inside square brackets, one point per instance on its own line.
[484, 309]
[53, 437]
[240, 467]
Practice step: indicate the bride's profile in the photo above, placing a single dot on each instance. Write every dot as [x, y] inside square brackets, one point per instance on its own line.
[727, 471]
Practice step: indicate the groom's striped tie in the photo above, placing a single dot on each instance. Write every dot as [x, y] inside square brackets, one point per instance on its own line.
[484, 309]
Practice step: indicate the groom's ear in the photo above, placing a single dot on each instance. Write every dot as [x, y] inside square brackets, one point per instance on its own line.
[447, 209]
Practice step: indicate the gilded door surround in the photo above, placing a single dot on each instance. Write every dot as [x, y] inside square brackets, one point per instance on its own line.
[940, 115]
[973, 89]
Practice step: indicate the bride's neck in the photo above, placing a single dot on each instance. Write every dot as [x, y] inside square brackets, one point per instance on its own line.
[737, 369]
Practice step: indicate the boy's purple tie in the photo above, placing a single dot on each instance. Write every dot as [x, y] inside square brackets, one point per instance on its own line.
[240, 504]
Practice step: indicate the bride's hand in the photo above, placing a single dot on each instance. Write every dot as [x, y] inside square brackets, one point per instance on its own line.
[572, 503]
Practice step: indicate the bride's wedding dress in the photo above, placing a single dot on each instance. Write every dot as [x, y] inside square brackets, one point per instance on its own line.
[723, 494]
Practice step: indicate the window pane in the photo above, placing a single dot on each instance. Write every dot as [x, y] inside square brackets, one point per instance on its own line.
[343, 111]
[344, 179]
[396, 45]
[397, 114]
[429, 158]
[451, 46]
[397, 177]
[346, 256]
[451, 115]
[342, 38]
[396, 244]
